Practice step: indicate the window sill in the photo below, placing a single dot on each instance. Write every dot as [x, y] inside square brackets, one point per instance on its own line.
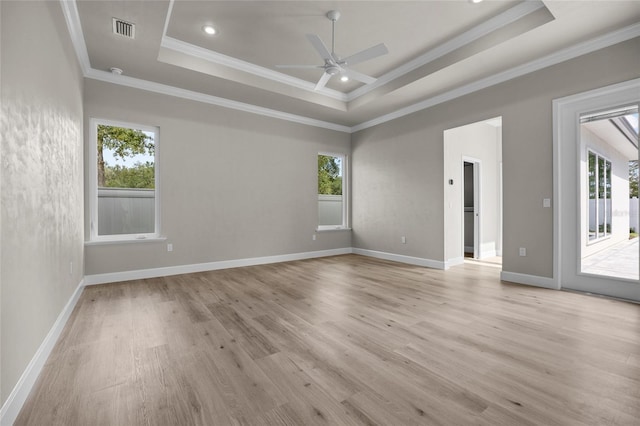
[598, 240]
[125, 241]
[332, 229]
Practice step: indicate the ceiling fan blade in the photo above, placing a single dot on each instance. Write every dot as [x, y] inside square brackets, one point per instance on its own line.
[355, 75]
[299, 66]
[366, 54]
[323, 81]
[317, 43]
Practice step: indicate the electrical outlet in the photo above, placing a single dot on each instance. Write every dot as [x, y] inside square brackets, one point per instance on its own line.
[523, 251]
[71, 267]
[313, 237]
[169, 247]
[546, 202]
[403, 239]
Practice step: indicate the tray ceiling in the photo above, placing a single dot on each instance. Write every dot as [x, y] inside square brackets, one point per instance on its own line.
[435, 48]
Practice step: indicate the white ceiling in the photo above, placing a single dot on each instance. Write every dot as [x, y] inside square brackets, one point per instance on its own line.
[437, 49]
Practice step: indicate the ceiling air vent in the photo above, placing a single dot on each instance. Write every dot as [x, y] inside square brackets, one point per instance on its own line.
[124, 28]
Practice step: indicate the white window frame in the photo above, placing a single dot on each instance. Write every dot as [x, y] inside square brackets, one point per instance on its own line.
[599, 237]
[344, 160]
[93, 183]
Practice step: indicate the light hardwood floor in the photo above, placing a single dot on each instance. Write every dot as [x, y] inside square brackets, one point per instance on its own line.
[341, 340]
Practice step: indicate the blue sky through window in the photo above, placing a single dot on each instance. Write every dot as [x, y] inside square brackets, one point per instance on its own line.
[632, 119]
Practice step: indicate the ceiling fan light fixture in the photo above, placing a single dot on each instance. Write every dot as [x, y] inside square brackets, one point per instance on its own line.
[335, 65]
[209, 29]
[332, 70]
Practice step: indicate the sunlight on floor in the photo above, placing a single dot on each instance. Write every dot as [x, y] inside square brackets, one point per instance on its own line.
[494, 262]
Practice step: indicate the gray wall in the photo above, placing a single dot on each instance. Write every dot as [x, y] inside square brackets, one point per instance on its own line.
[233, 185]
[397, 167]
[217, 202]
[41, 186]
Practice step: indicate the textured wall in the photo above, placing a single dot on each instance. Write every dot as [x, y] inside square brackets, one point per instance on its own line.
[398, 170]
[233, 185]
[41, 179]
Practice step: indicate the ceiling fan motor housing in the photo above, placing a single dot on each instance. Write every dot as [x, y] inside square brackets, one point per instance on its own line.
[334, 64]
[333, 15]
[332, 70]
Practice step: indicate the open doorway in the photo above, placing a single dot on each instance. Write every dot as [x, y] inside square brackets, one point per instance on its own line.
[473, 193]
[470, 209]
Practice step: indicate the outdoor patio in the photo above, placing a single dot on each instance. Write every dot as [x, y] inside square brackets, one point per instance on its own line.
[620, 260]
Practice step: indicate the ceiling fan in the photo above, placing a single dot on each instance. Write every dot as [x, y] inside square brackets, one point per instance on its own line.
[333, 64]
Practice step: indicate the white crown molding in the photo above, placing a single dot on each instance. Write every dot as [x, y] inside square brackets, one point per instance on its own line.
[228, 61]
[75, 30]
[165, 89]
[12, 406]
[167, 18]
[72, 18]
[563, 55]
[517, 12]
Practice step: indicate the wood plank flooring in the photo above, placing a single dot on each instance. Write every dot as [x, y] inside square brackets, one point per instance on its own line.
[345, 340]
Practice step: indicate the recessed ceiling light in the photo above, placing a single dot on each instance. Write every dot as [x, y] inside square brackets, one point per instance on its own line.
[475, 1]
[344, 78]
[209, 29]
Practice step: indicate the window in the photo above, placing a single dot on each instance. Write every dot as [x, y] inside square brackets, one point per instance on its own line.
[124, 177]
[599, 178]
[332, 188]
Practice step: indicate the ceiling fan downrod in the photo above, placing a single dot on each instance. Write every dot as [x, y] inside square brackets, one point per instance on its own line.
[333, 16]
[333, 65]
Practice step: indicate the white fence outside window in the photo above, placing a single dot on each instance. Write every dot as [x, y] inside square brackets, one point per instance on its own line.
[329, 209]
[633, 214]
[125, 211]
[131, 211]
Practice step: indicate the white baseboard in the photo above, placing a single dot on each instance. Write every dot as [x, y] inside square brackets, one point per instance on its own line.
[12, 406]
[453, 262]
[436, 264]
[488, 253]
[533, 280]
[17, 398]
[209, 266]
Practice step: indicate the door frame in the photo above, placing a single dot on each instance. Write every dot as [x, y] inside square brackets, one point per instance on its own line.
[566, 180]
[477, 202]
